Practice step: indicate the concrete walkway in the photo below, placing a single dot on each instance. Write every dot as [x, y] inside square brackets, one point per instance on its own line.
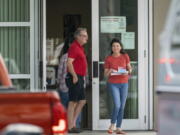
[105, 133]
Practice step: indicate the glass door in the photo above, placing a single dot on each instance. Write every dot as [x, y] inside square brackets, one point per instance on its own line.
[120, 19]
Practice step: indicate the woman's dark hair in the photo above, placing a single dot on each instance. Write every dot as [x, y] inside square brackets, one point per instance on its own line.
[115, 40]
[68, 40]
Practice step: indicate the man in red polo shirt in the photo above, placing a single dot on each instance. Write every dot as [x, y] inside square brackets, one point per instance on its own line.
[77, 66]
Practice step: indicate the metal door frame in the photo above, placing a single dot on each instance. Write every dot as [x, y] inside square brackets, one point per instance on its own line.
[145, 121]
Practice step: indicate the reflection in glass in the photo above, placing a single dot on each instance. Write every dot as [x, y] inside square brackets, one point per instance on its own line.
[15, 49]
[21, 84]
[14, 10]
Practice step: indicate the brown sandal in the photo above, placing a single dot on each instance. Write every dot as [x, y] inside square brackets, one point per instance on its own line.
[110, 131]
[120, 132]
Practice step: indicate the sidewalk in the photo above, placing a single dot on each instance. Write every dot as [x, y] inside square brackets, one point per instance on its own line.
[105, 133]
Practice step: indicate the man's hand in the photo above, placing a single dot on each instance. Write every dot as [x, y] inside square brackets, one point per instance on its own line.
[75, 79]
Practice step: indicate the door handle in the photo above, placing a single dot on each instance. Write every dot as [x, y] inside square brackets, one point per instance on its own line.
[95, 69]
[40, 69]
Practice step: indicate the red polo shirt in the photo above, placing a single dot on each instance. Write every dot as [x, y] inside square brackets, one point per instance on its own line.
[115, 62]
[76, 51]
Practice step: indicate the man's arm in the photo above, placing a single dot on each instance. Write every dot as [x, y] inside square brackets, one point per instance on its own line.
[71, 69]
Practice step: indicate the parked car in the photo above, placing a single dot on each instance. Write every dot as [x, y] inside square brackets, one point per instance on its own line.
[38, 108]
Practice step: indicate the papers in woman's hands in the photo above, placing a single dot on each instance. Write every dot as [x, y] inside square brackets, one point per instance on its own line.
[120, 71]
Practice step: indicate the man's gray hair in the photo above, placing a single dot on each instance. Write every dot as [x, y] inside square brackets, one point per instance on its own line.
[78, 31]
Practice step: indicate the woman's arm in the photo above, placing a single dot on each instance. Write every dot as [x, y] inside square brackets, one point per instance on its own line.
[129, 68]
[107, 72]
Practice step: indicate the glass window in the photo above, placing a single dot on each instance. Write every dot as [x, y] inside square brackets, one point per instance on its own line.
[15, 48]
[14, 10]
[16, 44]
[21, 84]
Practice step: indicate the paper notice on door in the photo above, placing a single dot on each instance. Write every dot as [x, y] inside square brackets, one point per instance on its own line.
[113, 24]
[128, 40]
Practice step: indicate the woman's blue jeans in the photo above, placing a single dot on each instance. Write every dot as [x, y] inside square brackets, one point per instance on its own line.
[119, 92]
